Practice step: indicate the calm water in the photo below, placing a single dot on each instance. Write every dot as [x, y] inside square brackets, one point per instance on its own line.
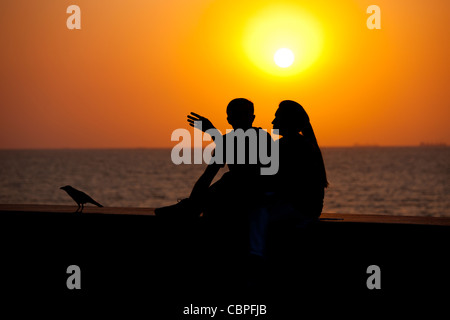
[399, 181]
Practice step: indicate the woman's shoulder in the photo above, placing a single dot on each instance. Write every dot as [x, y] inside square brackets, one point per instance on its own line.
[298, 141]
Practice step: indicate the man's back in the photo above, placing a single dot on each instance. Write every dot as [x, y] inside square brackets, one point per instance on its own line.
[241, 151]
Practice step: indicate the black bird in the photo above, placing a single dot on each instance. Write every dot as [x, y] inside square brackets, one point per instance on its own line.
[79, 197]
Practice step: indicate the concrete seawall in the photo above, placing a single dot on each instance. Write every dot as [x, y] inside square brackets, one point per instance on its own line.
[330, 217]
[128, 253]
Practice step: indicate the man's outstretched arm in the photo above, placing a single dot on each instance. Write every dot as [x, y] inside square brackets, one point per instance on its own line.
[197, 121]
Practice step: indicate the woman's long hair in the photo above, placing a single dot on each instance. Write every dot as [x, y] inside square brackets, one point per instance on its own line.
[299, 120]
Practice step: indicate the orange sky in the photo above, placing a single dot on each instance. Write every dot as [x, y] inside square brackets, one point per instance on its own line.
[137, 67]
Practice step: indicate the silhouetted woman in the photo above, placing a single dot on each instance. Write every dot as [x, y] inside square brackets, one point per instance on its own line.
[301, 178]
[296, 192]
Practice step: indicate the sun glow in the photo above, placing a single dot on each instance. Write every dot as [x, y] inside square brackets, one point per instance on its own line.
[284, 57]
[277, 28]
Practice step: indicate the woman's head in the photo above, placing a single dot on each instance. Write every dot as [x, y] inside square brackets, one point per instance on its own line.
[290, 118]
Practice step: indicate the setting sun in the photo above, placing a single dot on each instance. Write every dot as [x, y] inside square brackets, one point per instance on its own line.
[283, 30]
[284, 57]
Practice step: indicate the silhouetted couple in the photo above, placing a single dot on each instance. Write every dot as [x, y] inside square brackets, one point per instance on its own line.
[245, 198]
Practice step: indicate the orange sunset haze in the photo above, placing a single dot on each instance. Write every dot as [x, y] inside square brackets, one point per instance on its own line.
[136, 68]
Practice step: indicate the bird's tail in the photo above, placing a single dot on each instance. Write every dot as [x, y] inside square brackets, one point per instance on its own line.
[96, 203]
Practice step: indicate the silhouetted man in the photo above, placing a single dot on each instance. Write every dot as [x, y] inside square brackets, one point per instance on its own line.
[238, 188]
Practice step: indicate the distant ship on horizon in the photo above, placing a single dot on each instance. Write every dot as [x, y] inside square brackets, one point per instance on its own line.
[430, 144]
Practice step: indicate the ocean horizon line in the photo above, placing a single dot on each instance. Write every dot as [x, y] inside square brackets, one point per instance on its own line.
[421, 145]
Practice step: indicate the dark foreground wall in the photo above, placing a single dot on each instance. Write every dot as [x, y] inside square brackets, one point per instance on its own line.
[162, 267]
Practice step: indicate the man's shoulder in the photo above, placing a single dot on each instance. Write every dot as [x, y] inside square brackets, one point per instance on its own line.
[264, 134]
[262, 131]
[259, 130]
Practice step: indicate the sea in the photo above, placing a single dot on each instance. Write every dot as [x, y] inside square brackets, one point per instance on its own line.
[404, 181]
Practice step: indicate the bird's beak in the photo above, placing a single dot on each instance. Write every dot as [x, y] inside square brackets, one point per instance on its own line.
[61, 188]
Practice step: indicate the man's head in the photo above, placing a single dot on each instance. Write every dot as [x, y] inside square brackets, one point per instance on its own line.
[240, 113]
